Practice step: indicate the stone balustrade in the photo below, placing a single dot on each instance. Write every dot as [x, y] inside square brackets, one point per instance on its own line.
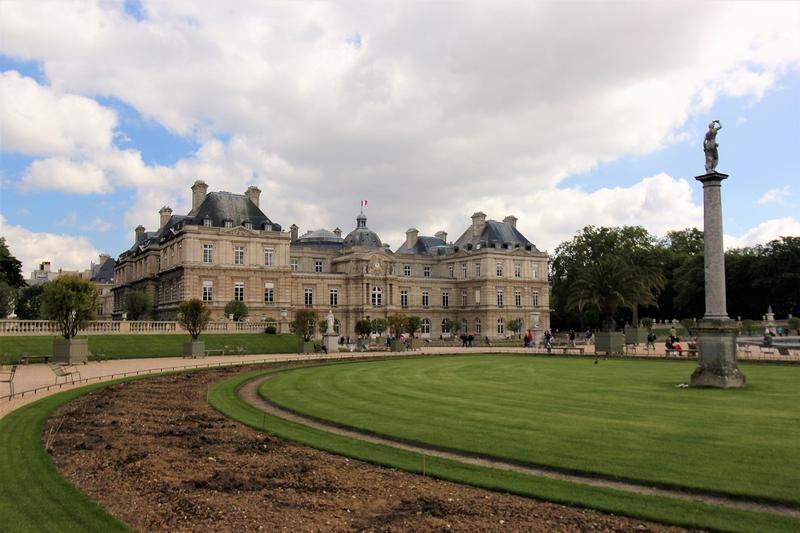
[126, 327]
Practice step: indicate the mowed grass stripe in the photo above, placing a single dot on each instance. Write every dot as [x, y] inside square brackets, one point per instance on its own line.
[617, 418]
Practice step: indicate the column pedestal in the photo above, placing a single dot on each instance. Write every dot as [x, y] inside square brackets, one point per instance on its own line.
[331, 342]
[716, 349]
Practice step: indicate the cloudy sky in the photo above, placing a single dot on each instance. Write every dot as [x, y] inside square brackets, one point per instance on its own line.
[561, 113]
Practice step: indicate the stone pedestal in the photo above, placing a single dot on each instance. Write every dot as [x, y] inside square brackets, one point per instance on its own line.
[716, 348]
[70, 351]
[331, 342]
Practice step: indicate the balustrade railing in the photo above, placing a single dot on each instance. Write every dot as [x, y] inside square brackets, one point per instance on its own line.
[125, 327]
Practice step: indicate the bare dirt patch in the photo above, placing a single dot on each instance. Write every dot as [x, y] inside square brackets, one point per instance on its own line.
[154, 454]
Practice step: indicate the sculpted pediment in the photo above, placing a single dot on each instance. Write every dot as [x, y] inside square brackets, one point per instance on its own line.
[238, 231]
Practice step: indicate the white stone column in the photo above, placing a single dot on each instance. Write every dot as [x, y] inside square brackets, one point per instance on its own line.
[716, 307]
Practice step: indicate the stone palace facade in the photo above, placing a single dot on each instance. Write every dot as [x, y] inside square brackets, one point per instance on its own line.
[226, 248]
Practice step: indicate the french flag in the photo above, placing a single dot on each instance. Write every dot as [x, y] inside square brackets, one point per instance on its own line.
[363, 203]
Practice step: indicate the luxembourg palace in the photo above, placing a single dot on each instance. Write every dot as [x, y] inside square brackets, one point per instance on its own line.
[226, 248]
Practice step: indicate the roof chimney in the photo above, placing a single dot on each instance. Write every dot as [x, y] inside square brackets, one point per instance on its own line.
[511, 219]
[139, 233]
[253, 193]
[338, 232]
[411, 237]
[165, 213]
[478, 223]
[199, 191]
[441, 235]
[293, 232]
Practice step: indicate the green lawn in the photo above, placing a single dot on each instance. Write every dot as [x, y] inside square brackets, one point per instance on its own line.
[130, 346]
[620, 418]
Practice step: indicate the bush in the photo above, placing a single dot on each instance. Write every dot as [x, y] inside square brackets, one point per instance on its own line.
[137, 305]
[71, 302]
[363, 328]
[270, 330]
[194, 315]
[413, 324]
[237, 309]
[304, 323]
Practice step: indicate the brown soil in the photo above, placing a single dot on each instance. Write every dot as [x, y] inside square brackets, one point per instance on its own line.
[154, 454]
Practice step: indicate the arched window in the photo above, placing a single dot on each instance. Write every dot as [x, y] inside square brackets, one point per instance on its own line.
[477, 326]
[445, 326]
[464, 326]
[501, 326]
[377, 297]
[426, 326]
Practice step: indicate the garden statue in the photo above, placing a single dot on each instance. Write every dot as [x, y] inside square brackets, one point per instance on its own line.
[710, 146]
[330, 320]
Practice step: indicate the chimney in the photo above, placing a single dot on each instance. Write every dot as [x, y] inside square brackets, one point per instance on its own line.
[253, 193]
[338, 232]
[441, 235]
[139, 233]
[511, 219]
[165, 213]
[199, 191]
[293, 232]
[411, 237]
[478, 223]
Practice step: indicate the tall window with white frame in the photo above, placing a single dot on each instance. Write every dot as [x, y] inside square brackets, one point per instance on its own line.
[451, 270]
[477, 326]
[269, 293]
[407, 270]
[295, 265]
[445, 326]
[238, 291]
[517, 270]
[269, 257]
[464, 326]
[377, 297]
[463, 297]
[534, 270]
[425, 298]
[318, 266]
[536, 298]
[445, 298]
[208, 291]
[334, 297]
[477, 270]
[308, 295]
[403, 298]
[501, 326]
[500, 297]
[426, 326]
[426, 271]
[238, 255]
[464, 270]
[208, 253]
[498, 266]
[518, 297]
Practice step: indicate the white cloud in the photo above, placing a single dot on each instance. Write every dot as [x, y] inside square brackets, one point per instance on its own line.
[98, 225]
[63, 174]
[63, 251]
[775, 196]
[39, 121]
[70, 219]
[766, 231]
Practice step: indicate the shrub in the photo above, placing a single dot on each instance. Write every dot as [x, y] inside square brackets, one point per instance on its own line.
[194, 315]
[137, 305]
[237, 309]
[413, 324]
[363, 328]
[304, 323]
[397, 324]
[270, 330]
[379, 325]
[71, 302]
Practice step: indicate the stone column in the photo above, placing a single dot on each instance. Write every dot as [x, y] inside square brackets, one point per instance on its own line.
[716, 333]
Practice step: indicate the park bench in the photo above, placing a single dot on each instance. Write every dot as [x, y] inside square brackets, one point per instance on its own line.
[239, 350]
[26, 359]
[64, 371]
[7, 376]
[677, 353]
[215, 351]
[98, 357]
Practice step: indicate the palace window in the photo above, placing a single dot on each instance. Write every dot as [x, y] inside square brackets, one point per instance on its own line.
[500, 295]
[477, 270]
[536, 298]
[238, 255]
[377, 296]
[464, 270]
[318, 266]
[517, 270]
[336, 326]
[238, 291]
[426, 326]
[404, 298]
[445, 298]
[208, 253]
[518, 297]
[334, 297]
[425, 298]
[208, 291]
[308, 294]
[450, 271]
[445, 326]
[426, 271]
[295, 265]
[499, 269]
[535, 270]
[477, 326]
[501, 326]
[477, 296]
[463, 297]
[269, 257]
[248, 225]
[228, 223]
[207, 222]
[464, 326]
[269, 293]
[407, 270]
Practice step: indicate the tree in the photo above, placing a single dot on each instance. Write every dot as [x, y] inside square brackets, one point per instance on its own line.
[137, 305]
[793, 324]
[71, 302]
[515, 325]
[413, 324]
[29, 302]
[10, 267]
[194, 315]
[607, 285]
[379, 325]
[323, 326]
[236, 308]
[8, 295]
[397, 324]
[453, 326]
[363, 328]
[304, 323]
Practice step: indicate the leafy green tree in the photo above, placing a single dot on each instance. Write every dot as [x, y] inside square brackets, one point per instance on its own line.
[379, 325]
[71, 302]
[413, 324]
[194, 315]
[137, 305]
[323, 326]
[236, 308]
[304, 324]
[363, 328]
[8, 295]
[29, 302]
[606, 285]
[10, 267]
[515, 325]
[397, 324]
[453, 326]
[688, 281]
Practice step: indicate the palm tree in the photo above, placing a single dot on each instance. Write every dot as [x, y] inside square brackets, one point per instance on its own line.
[650, 281]
[607, 285]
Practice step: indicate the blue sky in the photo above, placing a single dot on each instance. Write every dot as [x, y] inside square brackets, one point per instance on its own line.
[113, 110]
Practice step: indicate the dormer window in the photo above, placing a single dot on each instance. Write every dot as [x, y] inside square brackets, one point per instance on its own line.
[248, 225]
[207, 222]
[228, 223]
[267, 227]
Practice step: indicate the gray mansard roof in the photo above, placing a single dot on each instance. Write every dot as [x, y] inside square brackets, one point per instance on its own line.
[362, 236]
[319, 237]
[499, 234]
[238, 208]
[105, 274]
[425, 246]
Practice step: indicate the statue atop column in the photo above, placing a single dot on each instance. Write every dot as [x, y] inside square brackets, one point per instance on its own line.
[710, 146]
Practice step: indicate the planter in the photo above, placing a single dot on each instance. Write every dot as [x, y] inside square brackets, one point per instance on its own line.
[305, 347]
[635, 335]
[70, 351]
[609, 342]
[194, 349]
[416, 344]
[398, 346]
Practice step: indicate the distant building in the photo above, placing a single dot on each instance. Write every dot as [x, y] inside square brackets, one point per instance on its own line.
[101, 274]
[226, 248]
